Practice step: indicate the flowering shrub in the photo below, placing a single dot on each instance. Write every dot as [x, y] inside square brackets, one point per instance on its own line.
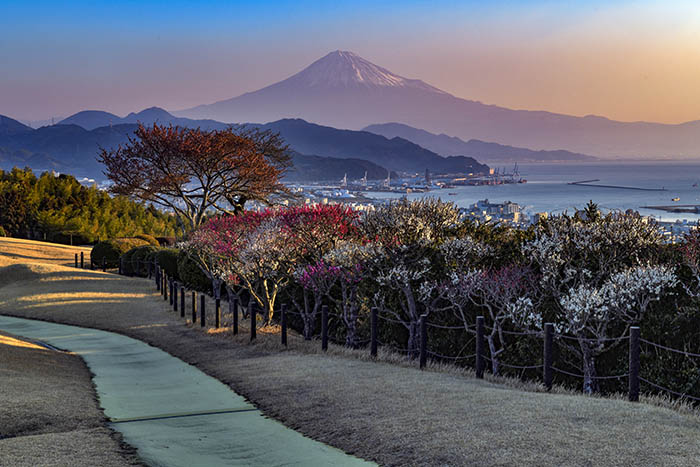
[592, 275]
[598, 274]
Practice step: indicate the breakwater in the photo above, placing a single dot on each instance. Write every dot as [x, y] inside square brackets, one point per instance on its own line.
[678, 208]
[618, 187]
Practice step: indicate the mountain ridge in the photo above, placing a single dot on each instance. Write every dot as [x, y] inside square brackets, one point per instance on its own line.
[446, 145]
[437, 111]
[71, 147]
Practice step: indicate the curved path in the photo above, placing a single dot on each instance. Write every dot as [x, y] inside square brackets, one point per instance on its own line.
[171, 412]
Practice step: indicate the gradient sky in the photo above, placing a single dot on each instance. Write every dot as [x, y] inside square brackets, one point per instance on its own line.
[623, 59]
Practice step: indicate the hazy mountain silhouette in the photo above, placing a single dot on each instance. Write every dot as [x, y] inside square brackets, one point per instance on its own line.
[451, 145]
[70, 147]
[10, 126]
[395, 154]
[91, 119]
[345, 91]
[317, 168]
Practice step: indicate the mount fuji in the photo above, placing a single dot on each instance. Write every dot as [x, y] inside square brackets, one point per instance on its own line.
[344, 90]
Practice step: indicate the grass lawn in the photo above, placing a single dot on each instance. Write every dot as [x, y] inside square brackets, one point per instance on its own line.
[49, 414]
[391, 413]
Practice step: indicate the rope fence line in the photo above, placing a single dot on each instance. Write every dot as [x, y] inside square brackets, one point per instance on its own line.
[663, 347]
[575, 375]
[670, 391]
[396, 321]
[447, 357]
[591, 339]
[515, 367]
[439, 326]
[163, 282]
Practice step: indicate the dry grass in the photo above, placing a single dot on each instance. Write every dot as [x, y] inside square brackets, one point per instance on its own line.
[49, 414]
[31, 251]
[386, 411]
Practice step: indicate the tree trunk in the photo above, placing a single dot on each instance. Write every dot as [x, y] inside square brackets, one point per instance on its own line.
[495, 367]
[590, 384]
[350, 314]
[307, 316]
[216, 286]
[413, 338]
[414, 325]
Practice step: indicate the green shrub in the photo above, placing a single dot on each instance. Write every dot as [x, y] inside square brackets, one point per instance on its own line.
[135, 260]
[167, 259]
[191, 275]
[128, 268]
[112, 249]
[142, 255]
[2, 232]
[150, 239]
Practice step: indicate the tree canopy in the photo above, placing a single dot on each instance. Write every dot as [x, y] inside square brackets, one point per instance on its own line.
[194, 172]
[60, 209]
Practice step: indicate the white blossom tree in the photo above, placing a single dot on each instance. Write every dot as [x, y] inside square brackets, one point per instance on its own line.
[600, 276]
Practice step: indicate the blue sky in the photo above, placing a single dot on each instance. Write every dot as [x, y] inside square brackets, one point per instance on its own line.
[61, 57]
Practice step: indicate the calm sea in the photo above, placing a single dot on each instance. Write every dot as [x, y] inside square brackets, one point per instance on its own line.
[546, 189]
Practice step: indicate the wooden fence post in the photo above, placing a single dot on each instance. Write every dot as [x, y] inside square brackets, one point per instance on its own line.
[76, 260]
[82, 260]
[480, 347]
[373, 336]
[182, 301]
[170, 289]
[202, 310]
[157, 278]
[104, 265]
[423, 341]
[253, 321]
[324, 327]
[121, 266]
[547, 357]
[175, 287]
[217, 313]
[634, 364]
[283, 323]
[166, 280]
[194, 307]
[233, 303]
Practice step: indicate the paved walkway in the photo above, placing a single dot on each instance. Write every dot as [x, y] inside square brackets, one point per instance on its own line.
[174, 414]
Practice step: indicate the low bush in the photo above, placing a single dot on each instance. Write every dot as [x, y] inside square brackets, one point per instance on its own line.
[167, 259]
[2, 232]
[135, 261]
[112, 250]
[150, 239]
[191, 275]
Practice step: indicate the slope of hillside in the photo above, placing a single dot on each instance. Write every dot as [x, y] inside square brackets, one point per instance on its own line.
[392, 413]
[92, 119]
[345, 91]
[394, 154]
[451, 145]
[317, 168]
[72, 148]
[10, 127]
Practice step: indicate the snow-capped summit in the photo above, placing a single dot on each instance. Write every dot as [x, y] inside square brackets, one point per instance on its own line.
[346, 69]
[344, 90]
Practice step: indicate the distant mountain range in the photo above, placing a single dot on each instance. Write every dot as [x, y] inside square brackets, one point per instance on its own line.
[319, 152]
[91, 119]
[481, 150]
[344, 90]
[395, 154]
[332, 169]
